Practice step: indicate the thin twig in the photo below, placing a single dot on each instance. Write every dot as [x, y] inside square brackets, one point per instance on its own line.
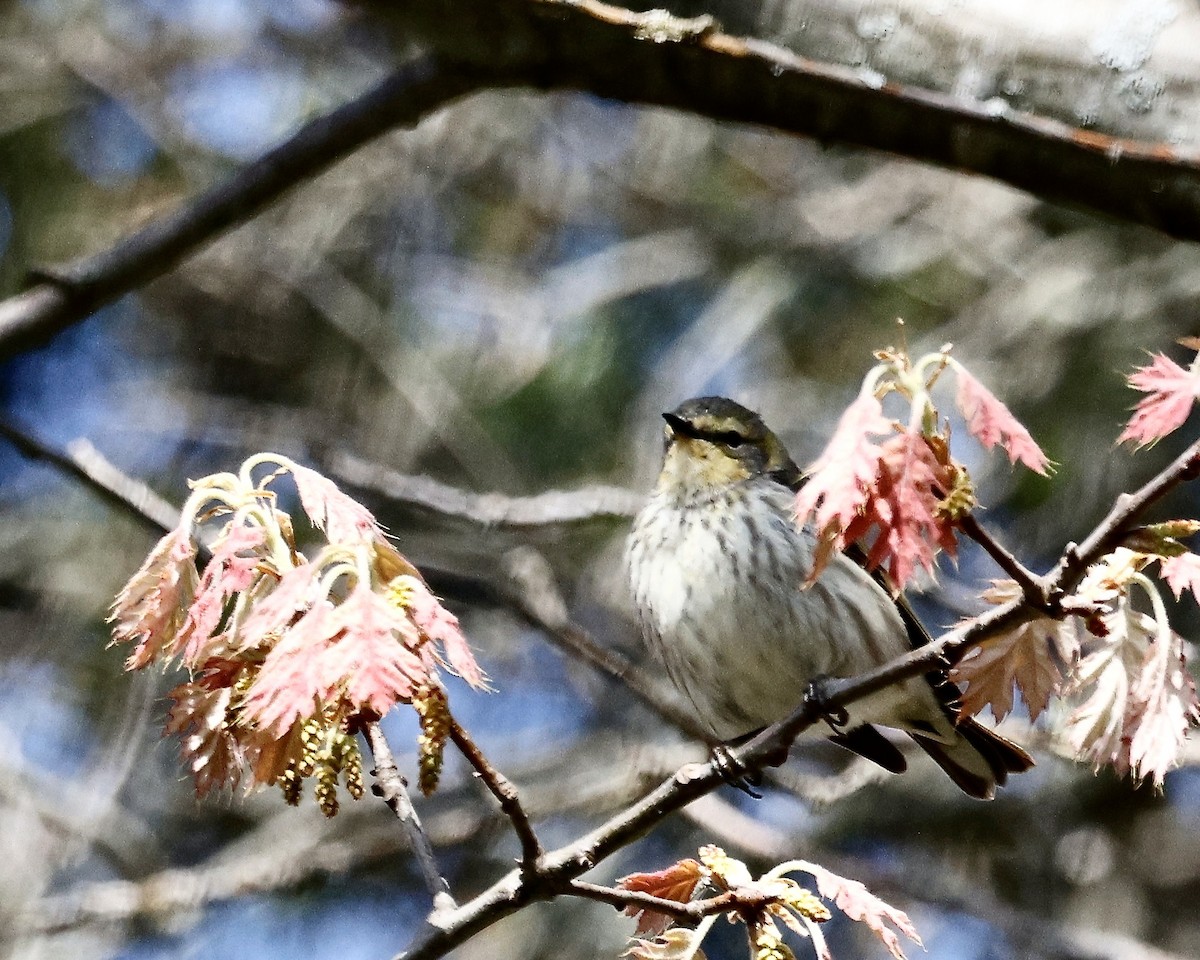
[86, 464]
[488, 509]
[505, 793]
[71, 292]
[692, 911]
[390, 785]
[1026, 579]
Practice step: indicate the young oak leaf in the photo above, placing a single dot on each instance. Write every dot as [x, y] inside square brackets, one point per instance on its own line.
[904, 505]
[438, 625]
[210, 750]
[342, 518]
[992, 423]
[373, 660]
[1170, 392]
[1029, 657]
[858, 903]
[1181, 573]
[840, 478]
[1164, 706]
[152, 606]
[676, 882]
[234, 566]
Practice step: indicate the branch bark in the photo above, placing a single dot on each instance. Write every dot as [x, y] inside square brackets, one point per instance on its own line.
[646, 58]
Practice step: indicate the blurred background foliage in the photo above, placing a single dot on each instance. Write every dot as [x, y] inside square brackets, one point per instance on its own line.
[505, 298]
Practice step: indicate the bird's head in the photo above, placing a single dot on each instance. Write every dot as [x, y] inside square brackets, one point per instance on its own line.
[713, 442]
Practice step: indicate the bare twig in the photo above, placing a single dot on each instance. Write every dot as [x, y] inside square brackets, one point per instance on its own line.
[488, 509]
[687, 912]
[502, 789]
[86, 464]
[389, 785]
[1026, 579]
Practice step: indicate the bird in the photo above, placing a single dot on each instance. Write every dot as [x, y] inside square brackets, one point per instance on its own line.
[718, 566]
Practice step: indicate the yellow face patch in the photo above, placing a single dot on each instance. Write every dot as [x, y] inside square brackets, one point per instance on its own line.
[692, 464]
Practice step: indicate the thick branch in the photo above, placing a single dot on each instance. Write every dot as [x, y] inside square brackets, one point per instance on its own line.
[69, 293]
[648, 58]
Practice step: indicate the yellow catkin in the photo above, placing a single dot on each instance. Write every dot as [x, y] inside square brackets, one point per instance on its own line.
[434, 713]
[807, 904]
[767, 944]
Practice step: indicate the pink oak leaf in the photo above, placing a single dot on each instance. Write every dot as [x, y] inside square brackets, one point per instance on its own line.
[1021, 658]
[233, 568]
[210, 750]
[1181, 573]
[341, 517]
[858, 903]
[904, 507]
[297, 590]
[840, 477]
[1162, 707]
[441, 626]
[292, 683]
[152, 606]
[1170, 392]
[373, 661]
[992, 423]
[676, 882]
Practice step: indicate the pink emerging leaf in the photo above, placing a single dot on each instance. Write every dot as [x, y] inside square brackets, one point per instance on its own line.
[904, 506]
[342, 518]
[151, 607]
[858, 903]
[1170, 392]
[1182, 573]
[441, 626]
[992, 423]
[230, 571]
[291, 682]
[373, 659]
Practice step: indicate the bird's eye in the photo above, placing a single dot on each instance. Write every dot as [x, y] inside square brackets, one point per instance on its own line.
[731, 438]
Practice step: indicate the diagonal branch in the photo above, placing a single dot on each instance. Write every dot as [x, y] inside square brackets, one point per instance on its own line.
[505, 793]
[389, 785]
[67, 294]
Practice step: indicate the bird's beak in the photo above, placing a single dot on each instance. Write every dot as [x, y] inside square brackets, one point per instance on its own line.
[679, 426]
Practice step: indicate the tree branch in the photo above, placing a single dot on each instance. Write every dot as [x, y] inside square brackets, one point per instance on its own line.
[503, 790]
[389, 785]
[646, 58]
[68, 293]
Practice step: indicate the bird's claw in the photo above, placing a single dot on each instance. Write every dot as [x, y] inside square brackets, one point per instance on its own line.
[736, 773]
[817, 696]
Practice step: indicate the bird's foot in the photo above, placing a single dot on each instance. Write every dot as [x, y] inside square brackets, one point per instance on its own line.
[816, 695]
[735, 772]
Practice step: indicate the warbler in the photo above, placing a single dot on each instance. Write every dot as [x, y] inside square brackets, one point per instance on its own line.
[718, 567]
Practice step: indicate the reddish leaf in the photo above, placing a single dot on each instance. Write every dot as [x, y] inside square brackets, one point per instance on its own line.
[1181, 573]
[210, 750]
[230, 571]
[1170, 392]
[342, 518]
[271, 614]
[676, 882]
[841, 477]
[858, 903]
[904, 507]
[992, 423]
[151, 607]
[441, 626]
[373, 660]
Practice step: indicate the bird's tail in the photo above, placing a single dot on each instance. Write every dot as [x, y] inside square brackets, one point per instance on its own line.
[978, 760]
